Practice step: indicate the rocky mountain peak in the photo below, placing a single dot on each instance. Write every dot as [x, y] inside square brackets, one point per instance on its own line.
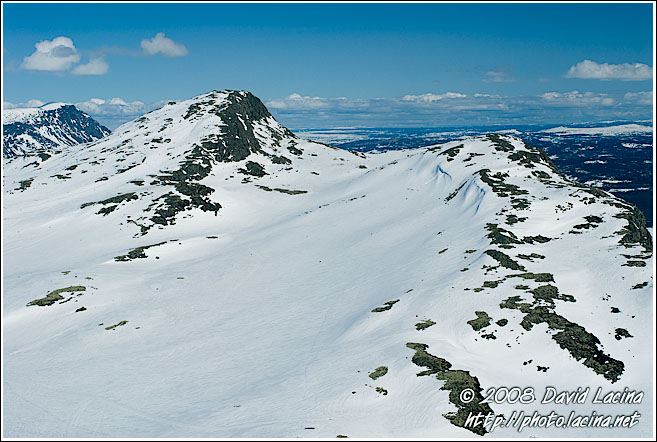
[205, 227]
[47, 129]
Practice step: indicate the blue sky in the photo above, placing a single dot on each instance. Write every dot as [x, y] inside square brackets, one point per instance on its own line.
[328, 65]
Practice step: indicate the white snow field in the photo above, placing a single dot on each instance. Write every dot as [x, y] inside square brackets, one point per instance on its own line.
[255, 318]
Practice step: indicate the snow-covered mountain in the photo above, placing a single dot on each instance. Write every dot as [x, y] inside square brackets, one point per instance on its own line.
[203, 272]
[47, 128]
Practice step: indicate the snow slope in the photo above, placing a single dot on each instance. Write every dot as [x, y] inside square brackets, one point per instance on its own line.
[266, 297]
[46, 128]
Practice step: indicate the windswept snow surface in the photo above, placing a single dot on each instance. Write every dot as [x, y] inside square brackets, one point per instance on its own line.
[256, 320]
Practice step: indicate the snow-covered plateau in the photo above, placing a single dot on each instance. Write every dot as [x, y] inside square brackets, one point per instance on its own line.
[203, 272]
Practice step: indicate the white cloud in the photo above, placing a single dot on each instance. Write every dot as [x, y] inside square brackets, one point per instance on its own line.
[588, 69]
[119, 101]
[98, 106]
[455, 108]
[426, 103]
[114, 106]
[576, 98]
[449, 101]
[56, 55]
[452, 108]
[96, 66]
[425, 109]
[60, 55]
[429, 97]
[163, 45]
[296, 101]
[639, 97]
[29, 103]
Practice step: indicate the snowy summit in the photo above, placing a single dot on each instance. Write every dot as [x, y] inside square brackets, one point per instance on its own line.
[47, 128]
[204, 272]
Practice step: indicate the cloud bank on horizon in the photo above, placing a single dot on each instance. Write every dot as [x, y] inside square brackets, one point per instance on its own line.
[454, 108]
[448, 108]
[110, 112]
[60, 55]
[331, 65]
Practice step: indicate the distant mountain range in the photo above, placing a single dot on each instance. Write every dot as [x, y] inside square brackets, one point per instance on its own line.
[47, 128]
[204, 272]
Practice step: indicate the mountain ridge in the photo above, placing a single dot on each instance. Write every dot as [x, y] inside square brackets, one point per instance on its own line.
[236, 244]
[46, 129]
